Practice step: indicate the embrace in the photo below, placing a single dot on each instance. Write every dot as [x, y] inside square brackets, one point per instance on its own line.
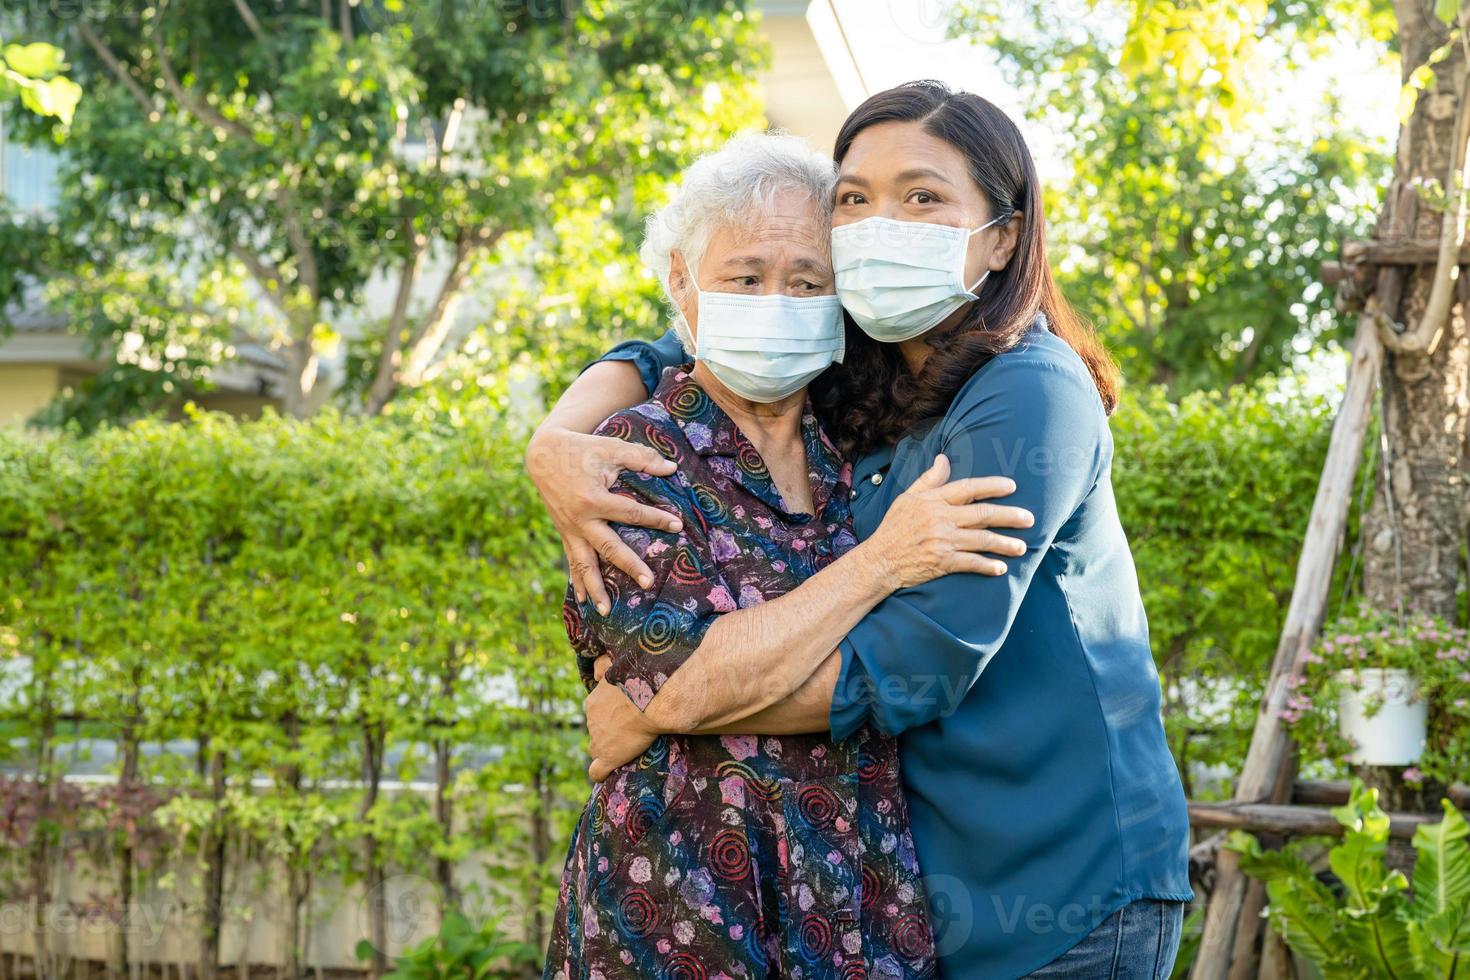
[871, 693]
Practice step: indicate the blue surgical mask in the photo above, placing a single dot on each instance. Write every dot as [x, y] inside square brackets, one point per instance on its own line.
[764, 348]
[898, 279]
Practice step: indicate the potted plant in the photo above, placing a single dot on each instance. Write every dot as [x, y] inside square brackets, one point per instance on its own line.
[1379, 692]
[1365, 920]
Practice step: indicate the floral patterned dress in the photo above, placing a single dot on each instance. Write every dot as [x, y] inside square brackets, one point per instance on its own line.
[731, 856]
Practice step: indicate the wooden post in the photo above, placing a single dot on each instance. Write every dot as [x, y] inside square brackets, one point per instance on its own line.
[1269, 741]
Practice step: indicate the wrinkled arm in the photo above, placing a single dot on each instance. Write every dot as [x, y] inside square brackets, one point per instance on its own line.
[807, 709]
[771, 668]
[757, 658]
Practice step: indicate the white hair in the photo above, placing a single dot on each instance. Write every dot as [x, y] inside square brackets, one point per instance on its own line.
[731, 187]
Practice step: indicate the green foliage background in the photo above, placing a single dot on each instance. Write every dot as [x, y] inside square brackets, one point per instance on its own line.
[273, 591]
[232, 583]
[1215, 491]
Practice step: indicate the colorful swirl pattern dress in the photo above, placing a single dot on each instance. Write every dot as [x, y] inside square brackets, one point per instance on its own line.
[743, 856]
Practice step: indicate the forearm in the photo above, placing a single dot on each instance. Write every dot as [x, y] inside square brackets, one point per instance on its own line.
[805, 710]
[756, 658]
[604, 388]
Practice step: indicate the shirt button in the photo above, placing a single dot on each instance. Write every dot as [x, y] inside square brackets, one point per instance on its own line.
[877, 479]
[852, 494]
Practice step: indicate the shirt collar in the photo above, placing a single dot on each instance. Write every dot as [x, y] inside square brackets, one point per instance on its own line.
[712, 432]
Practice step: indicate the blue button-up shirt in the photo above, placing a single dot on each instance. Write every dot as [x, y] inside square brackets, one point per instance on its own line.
[1041, 788]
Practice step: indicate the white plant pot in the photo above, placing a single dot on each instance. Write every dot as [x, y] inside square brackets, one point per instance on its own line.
[1394, 734]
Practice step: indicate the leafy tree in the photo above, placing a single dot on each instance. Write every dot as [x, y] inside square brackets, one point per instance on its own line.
[1189, 229]
[246, 172]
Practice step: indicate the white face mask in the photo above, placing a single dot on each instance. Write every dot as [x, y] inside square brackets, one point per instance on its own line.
[763, 348]
[898, 279]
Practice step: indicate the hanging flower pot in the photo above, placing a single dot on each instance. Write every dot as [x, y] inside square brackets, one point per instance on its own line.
[1380, 712]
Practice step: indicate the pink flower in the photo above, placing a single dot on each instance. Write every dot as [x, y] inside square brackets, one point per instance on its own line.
[720, 599]
[1413, 775]
[740, 747]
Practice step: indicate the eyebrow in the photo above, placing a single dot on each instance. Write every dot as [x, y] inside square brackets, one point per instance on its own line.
[747, 260]
[811, 265]
[915, 173]
[921, 172]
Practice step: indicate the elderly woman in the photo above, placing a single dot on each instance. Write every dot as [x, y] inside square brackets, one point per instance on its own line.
[740, 855]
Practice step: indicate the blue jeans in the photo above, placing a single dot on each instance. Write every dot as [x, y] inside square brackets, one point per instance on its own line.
[1137, 942]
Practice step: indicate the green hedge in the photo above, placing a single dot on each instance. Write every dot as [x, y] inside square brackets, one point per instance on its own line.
[1215, 493]
[301, 600]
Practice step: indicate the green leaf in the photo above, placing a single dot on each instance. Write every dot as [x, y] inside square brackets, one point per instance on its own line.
[1308, 925]
[1447, 10]
[1442, 875]
[55, 97]
[1383, 940]
[36, 60]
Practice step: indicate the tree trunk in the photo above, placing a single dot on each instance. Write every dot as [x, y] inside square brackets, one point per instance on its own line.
[296, 886]
[1415, 528]
[443, 804]
[118, 968]
[300, 379]
[212, 851]
[375, 881]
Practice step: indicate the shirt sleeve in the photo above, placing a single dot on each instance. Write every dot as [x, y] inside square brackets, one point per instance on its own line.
[649, 357]
[917, 654]
[650, 633]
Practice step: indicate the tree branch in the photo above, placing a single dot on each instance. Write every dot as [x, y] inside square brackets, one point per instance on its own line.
[202, 111]
[118, 69]
[385, 381]
[268, 277]
[251, 21]
[429, 338]
[300, 244]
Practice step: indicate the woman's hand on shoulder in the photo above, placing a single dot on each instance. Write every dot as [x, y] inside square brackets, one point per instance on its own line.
[574, 473]
[936, 527]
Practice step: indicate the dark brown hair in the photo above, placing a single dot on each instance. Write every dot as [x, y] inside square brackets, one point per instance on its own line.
[872, 398]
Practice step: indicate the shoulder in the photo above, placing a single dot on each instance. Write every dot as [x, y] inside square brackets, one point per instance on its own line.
[1041, 378]
[650, 424]
[646, 424]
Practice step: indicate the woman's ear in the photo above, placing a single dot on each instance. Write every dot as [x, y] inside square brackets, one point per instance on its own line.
[681, 283]
[1007, 240]
[678, 274]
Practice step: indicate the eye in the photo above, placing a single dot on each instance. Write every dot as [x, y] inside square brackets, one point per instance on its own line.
[749, 282]
[851, 197]
[923, 197]
[809, 287]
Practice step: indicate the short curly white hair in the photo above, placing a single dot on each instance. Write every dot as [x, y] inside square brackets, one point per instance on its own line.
[729, 187]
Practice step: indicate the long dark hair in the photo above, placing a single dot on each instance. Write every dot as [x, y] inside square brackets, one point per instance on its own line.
[872, 398]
